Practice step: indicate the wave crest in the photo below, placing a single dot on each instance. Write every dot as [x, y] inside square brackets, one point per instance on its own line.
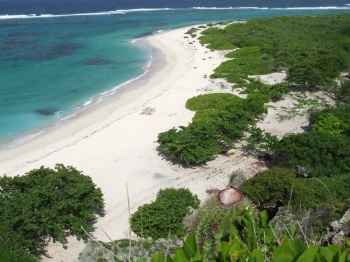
[125, 11]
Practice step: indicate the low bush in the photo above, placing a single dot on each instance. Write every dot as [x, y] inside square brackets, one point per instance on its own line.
[10, 256]
[219, 121]
[329, 124]
[46, 204]
[271, 188]
[342, 113]
[320, 153]
[315, 202]
[165, 215]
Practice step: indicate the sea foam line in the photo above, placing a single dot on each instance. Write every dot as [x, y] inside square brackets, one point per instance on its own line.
[125, 11]
[87, 104]
[63, 15]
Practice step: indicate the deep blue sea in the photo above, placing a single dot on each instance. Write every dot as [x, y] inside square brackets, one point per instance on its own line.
[58, 57]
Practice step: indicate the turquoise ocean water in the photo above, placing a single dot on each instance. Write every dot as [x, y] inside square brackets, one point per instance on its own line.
[58, 60]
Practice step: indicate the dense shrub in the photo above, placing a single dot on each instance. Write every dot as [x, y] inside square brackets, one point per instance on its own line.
[315, 202]
[219, 121]
[192, 144]
[329, 124]
[342, 113]
[319, 152]
[273, 187]
[165, 215]
[320, 53]
[46, 203]
[8, 256]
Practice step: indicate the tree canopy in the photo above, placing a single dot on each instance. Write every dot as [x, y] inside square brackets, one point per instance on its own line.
[46, 204]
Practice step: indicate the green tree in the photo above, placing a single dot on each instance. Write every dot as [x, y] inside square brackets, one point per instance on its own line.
[46, 204]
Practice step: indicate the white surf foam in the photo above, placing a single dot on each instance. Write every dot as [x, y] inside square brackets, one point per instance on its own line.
[125, 11]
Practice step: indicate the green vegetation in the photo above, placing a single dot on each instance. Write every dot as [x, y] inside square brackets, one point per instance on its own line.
[341, 113]
[46, 204]
[8, 256]
[277, 187]
[252, 239]
[212, 222]
[220, 119]
[164, 216]
[329, 124]
[322, 154]
[313, 49]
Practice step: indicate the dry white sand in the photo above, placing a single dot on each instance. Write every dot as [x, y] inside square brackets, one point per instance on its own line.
[115, 143]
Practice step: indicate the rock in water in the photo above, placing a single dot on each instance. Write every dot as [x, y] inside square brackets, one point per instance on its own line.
[229, 196]
[46, 112]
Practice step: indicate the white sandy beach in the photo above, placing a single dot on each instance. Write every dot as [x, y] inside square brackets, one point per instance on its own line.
[115, 143]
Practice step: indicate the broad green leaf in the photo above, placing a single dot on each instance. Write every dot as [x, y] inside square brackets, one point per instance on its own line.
[197, 257]
[258, 255]
[158, 257]
[334, 248]
[309, 254]
[253, 242]
[169, 259]
[190, 246]
[326, 254]
[284, 250]
[180, 256]
[225, 248]
[298, 246]
[263, 216]
[269, 236]
[293, 230]
[283, 258]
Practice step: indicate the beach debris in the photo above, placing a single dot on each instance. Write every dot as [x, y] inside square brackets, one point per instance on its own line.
[148, 111]
[301, 171]
[229, 196]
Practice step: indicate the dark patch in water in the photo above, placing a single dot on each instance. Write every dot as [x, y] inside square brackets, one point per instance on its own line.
[13, 24]
[100, 62]
[14, 49]
[52, 51]
[46, 112]
[144, 34]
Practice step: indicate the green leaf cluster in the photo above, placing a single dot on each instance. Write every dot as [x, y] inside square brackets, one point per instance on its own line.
[220, 119]
[165, 215]
[46, 203]
[323, 197]
[342, 113]
[10, 256]
[252, 239]
[313, 49]
[212, 223]
[329, 124]
[322, 154]
[280, 186]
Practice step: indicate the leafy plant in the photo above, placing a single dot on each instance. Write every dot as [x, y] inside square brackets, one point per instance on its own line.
[165, 215]
[320, 153]
[10, 256]
[329, 124]
[220, 120]
[46, 203]
[252, 239]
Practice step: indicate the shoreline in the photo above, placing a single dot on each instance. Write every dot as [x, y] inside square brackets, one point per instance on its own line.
[65, 127]
[117, 146]
[114, 144]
